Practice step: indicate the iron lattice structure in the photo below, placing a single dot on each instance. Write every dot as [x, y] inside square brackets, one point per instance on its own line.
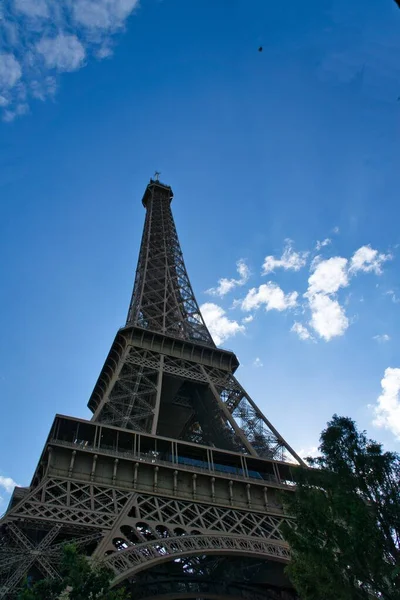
[175, 481]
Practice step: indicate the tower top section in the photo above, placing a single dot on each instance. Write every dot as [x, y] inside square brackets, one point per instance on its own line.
[164, 190]
[163, 300]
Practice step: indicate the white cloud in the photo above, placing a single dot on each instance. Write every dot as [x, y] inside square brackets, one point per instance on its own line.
[301, 331]
[248, 319]
[329, 276]
[392, 294]
[43, 38]
[63, 52]
[20, 109]
[43, 89]
[290, 260]
[10, 71]
[258, 363]
[384, 337]
[323, 243]
[226, 285]
[336, 230]
[32, 8]
[7, 484]
[387, 409]
[368, 260]
[328, 318]
[311, 452]
[271, 296]
[220, 327]
[104, 52]
[102, 14]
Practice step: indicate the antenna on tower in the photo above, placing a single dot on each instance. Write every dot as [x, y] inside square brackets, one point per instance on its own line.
[157, 176]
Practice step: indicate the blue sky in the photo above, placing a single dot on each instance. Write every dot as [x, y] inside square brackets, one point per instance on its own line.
[298, 142]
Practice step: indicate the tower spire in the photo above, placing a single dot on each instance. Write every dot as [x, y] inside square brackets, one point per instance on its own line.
[163, 300]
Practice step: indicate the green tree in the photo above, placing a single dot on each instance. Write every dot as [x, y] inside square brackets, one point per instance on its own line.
[80, 580]
[345, 537]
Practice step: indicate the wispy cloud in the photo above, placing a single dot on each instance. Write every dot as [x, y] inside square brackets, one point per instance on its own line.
[323, 243]
[227, 285]
[258, 363]
[311, 452]
[7, 484]
[393, 296]
[10, 71]
[301, 331]
[381, 338]
[62, 53]
[365, 54]
[290, 260]
[387, 409]
[219, 325]
[248, 319]
[43, 38]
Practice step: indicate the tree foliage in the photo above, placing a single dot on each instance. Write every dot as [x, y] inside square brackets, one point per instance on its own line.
[345, 538]
[80, 580]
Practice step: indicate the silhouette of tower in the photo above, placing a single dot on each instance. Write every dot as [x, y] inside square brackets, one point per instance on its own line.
[174, 483]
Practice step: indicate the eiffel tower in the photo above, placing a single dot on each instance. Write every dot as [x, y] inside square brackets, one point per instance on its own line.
[174, 483]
